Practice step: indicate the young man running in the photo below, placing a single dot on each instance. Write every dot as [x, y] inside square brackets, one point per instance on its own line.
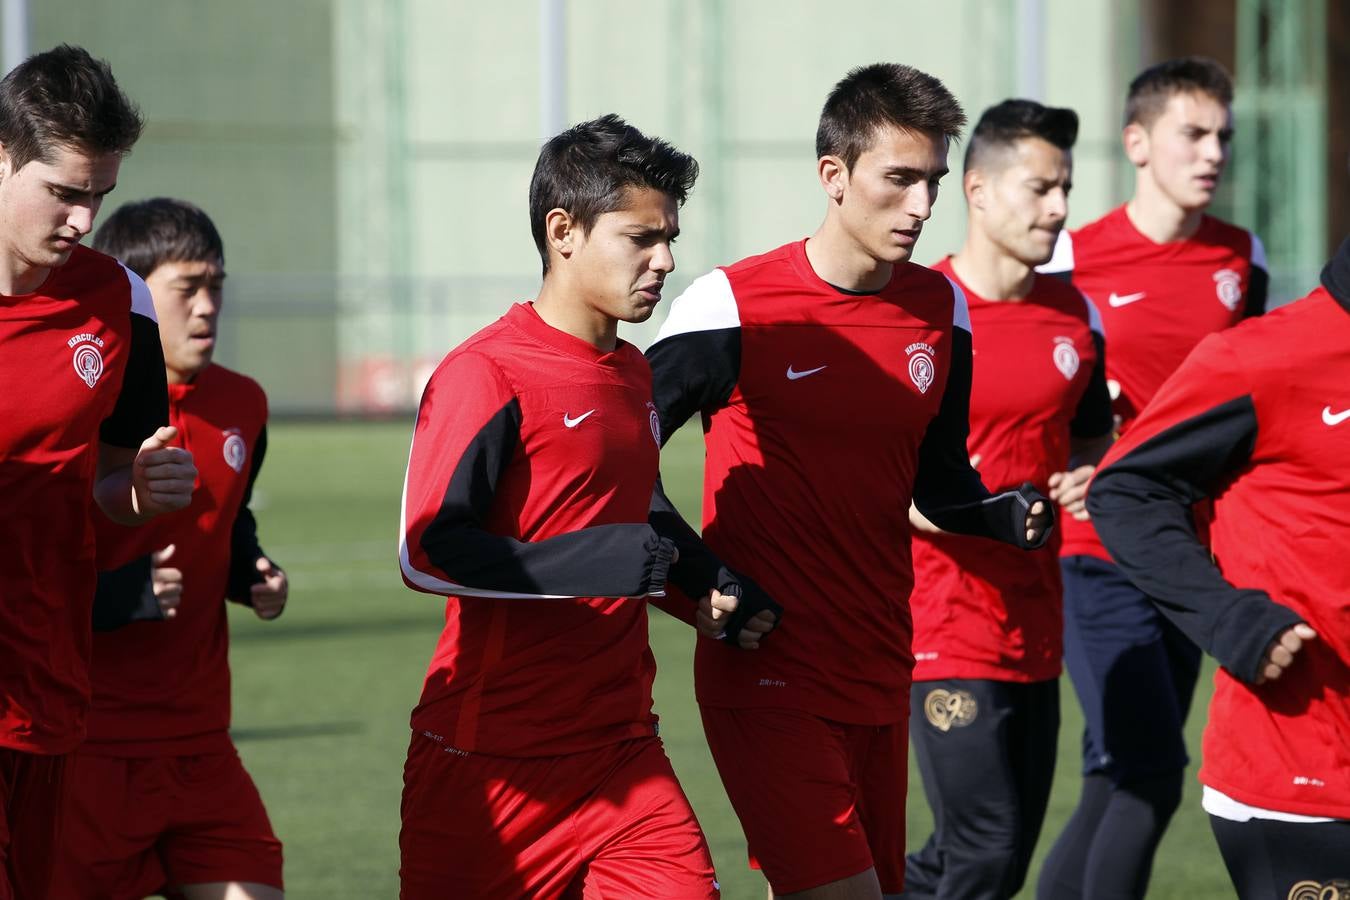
[158, 799]
[1163, 274]
[833, 379]
[984, 709]
[80, 418]
[1258, 420]
[535, 769]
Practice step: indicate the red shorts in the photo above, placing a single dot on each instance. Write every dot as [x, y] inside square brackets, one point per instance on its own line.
[819, 801]
[135, 826]
[606, 823]
[31, 785]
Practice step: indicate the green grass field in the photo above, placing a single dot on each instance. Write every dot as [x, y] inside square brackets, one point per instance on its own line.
[322, 696]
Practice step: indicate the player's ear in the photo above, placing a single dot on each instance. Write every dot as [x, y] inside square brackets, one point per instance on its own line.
[6, 162]
[1135, 139]
[560, 231]
[974, 183]
[833, 176]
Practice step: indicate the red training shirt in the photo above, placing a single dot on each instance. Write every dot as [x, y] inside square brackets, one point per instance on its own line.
[82, 364]
[1157, 301]
[525, 504]
[983, 609]
[163, 687]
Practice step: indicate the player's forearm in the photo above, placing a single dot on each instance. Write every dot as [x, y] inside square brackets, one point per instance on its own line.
[619, 560]
[113, 493]
[1146, 524]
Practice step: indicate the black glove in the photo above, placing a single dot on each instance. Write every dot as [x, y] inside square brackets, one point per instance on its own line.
[751, 601]
[1016, 505]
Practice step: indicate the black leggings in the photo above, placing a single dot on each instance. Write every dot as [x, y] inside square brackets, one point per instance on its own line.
[1286, 860]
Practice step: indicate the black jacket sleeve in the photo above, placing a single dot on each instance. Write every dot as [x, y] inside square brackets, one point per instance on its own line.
[1141, 506]
[124, 596]
[244, 547]
[946, 488]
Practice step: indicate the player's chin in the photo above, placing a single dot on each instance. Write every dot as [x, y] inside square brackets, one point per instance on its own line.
[638, 312]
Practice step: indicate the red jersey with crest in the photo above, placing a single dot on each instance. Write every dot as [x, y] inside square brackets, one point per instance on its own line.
[163, 687]
[525, 503]
[82, 364]
[983, 609]
[1258, 418]
[817, 407]
[1157, 301]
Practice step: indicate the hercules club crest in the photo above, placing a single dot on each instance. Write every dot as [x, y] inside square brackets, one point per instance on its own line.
[1336, 889]
[946, 710]
[1066, 357]
[655, 422]
[921, 367]
[1228, 286]
[88, 358]
[234, 449]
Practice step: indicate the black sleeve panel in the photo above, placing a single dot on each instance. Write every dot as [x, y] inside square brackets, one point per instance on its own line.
[143, 404]
[244, 547]
[1093, 417]
[124, 596]
[946, 489]
[1258, 287]
[602, 561]
[1064, 275]
[693, 371]
[1141, 507]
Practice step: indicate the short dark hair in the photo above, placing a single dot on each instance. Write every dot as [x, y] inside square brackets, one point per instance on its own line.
[1153, 87]
[589, 168]
[1006, 123]
[873, 97]
[64, 97]
[148, 233]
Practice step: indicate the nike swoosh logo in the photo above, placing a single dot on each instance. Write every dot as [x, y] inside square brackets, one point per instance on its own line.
[794, 375]
[1124, 299]
[1332, 418]
[573, 423]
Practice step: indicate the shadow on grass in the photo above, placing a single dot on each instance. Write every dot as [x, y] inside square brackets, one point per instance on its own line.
[284, 631]
[299, 730]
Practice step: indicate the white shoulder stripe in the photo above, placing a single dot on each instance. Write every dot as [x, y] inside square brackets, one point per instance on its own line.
[706, 305]
[1258, 252]
[1094, 316]
[1062, 259]
[960, 309]
[142, 304]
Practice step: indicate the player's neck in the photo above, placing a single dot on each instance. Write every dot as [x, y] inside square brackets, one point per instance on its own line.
[1157, 217]
[839, 260]
[989, 271]
[560, 308]
[17, 277]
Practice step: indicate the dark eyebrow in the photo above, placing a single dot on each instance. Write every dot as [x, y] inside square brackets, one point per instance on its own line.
[917, 174]
[76, 189]
[650, 233]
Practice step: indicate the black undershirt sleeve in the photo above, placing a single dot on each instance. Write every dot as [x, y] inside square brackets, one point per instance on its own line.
[143, 404]
[1141, 507]
[1093, 417]
[1258, 287]
[696, 372]
[947, 490]
[124, 596]
[244, 547]
[621, 560]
